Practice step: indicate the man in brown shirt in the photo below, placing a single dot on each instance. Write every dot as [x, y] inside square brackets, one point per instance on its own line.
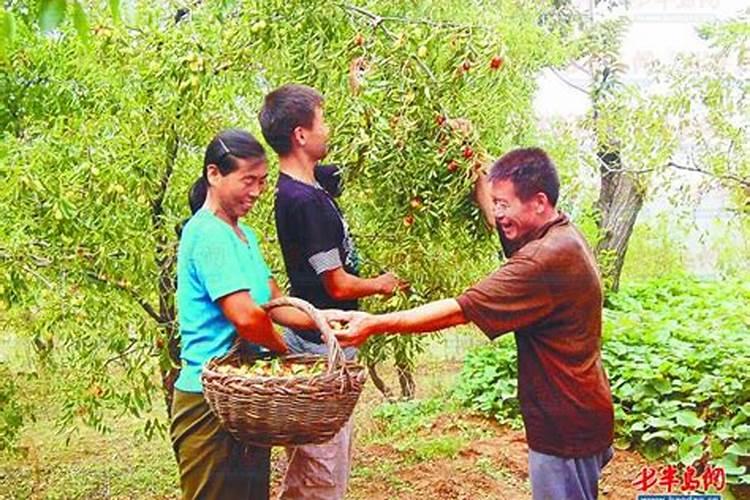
[549, 293]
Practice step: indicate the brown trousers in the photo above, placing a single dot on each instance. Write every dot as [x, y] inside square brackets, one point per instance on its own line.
[213, 465]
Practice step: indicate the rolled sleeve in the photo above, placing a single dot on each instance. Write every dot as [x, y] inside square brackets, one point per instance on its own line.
[513, 297]
[325, 261]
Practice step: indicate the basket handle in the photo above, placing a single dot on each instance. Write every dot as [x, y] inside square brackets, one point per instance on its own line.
[335, 353]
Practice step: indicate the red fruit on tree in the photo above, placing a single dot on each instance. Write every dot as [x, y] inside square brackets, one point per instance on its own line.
[468, 152]
[408, 220]
[440, 120]
[496, 62]
[416, 202]
[452, 166]
[359, 40]
[466, 66]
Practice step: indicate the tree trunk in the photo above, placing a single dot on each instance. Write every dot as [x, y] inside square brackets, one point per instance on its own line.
[165, 263]
[620, 201]
[379, 383]
[167, 312]
[405, 379]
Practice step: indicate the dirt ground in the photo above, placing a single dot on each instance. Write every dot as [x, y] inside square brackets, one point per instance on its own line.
[491, 466]
[494, 467]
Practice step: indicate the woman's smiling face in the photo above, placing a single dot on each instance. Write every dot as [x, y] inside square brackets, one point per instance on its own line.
[238, 191]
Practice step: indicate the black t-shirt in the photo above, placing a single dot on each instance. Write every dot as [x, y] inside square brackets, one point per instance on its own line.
[314, 239]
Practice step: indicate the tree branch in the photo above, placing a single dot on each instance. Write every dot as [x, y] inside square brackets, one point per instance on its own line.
[140, 300]
[734, 178]
[728, 177]
[573, 85]
[125, 352]
[378, 20]
[157, 205]
[626, 170]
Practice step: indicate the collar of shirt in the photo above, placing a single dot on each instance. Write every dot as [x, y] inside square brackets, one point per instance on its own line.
[511, 247]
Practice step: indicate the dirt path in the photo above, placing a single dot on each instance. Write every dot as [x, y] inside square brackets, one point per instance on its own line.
[494, 467]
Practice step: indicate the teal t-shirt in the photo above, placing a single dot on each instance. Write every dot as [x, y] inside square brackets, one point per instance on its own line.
[212, 262]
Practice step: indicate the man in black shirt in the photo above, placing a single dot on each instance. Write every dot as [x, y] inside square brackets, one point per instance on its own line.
[320, 258]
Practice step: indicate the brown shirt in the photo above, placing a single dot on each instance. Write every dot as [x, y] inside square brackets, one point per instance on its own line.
[549, 293]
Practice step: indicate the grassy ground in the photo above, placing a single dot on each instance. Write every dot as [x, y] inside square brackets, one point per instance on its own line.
[124, 464]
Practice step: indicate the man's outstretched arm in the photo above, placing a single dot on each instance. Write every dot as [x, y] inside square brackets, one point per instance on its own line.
[423, 319]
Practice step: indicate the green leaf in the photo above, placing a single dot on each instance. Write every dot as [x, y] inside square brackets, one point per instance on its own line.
[659, 422]
[7, 26]
[639, 426]
[738, 449]
[716, 448]
[691, 441]
[687, 418]
[81, 22]
[114, 7]
[730, 465]
[691, 456]
[51, 14]
[658, 434]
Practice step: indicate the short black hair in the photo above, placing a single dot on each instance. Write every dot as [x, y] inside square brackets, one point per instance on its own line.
[286, 108]
[530, 170]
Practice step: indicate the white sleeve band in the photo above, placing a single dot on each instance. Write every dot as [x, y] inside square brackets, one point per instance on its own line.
[325, 261]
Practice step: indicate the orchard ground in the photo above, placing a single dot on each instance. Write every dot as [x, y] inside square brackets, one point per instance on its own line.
[427, 448]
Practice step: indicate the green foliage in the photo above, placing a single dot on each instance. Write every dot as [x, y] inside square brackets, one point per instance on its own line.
[676, 398]
[13, 410]
[489, 383]
[406, 417]
[730, 35]
[404, 425]
[51, 13]
[100, 144]
[675, 350]
[655, 250]
[733, 246]
[103, 134]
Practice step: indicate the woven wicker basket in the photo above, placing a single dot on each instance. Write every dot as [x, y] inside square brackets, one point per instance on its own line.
[285, 411]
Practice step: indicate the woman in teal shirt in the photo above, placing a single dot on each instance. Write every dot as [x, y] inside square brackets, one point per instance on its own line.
[222, 280]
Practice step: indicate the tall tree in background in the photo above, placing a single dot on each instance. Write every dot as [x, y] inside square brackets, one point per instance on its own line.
[695, 121]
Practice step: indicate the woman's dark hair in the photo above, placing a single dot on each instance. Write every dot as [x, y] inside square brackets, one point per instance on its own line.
[223, 151]
[531, 171]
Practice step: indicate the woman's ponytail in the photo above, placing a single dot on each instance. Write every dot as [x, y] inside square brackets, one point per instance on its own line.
[198, 193]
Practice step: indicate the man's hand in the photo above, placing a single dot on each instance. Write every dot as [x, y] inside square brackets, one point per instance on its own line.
[336, 319]
[360, 327]
[483, 197]
[389, 284]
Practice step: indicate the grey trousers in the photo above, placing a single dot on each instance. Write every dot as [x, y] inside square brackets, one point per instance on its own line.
[558, 478]
[318, 472]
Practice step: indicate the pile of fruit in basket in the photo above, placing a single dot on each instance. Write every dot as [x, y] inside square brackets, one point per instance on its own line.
[274, 368]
